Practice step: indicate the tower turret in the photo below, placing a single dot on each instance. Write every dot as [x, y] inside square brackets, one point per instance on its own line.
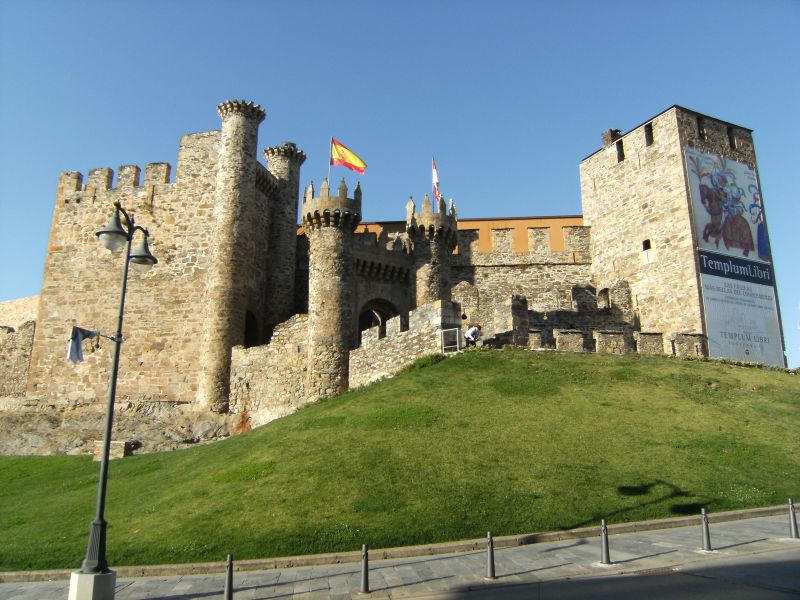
[226, 294]
[329, 222]
[434, 235]
[284, 163]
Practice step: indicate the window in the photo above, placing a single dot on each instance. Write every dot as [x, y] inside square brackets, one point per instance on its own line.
[646, 245]
[620, 151]
[603, 299]
[731, 138]
[701, 129]
[648, 134]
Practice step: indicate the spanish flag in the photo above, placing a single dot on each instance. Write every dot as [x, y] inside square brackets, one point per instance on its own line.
[342, 155]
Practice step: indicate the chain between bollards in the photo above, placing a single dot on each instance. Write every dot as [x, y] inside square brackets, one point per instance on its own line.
[792, 521]
[604, 558]
[364, 569]
[228, 594]
[490, 556]
[706, 534]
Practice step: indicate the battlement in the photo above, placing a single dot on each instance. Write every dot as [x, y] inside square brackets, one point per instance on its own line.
[249, 109]
[331, 211]
[404, 341]
[101, 178]
[432, 223]
[382, 258]
[288, 150]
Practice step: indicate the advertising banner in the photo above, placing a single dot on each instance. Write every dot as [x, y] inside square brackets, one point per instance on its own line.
[739, 299]
[726, 201]
[741, 320]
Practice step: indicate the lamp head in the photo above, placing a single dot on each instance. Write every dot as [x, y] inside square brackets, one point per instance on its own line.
[141, 258]
[113, 236]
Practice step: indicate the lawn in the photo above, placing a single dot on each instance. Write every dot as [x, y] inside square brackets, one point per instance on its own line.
[510, 441]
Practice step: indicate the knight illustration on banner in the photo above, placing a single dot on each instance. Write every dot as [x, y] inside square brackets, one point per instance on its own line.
[728, 212]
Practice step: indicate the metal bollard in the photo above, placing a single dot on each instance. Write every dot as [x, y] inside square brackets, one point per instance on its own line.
[706, 534]
[364, 569]
[490, 556]
[604, 558]
[228, 594]
[792, 521]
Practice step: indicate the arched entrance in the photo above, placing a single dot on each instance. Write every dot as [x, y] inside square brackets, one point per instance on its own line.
[375, 313]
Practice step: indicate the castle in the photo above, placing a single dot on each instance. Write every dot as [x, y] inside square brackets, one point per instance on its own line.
[249, 315]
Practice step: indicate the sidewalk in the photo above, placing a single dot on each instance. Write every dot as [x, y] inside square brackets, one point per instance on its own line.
[752, 559]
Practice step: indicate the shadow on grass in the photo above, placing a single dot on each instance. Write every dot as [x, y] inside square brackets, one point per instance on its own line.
[673, 492]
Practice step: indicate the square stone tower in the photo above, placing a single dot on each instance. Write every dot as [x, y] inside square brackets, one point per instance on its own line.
[675, 209]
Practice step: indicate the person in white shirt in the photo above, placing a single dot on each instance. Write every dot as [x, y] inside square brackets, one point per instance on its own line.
[473, 335]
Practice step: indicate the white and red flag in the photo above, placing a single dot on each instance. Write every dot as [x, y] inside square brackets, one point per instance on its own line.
[437, 196]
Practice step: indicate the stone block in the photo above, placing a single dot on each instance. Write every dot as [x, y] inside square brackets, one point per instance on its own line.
[116, 450]
[535, 338]
[689, 344]
[612, 342]
[571, 340]
[649, 342]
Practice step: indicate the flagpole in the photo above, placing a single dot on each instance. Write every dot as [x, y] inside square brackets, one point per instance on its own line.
[330, 156]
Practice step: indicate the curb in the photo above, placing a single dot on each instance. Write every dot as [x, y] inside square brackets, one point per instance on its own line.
[265, 564]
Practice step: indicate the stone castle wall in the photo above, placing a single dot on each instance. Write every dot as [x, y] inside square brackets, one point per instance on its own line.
[232, 269]
[636, 203]
[640, 200]
[82, 280]
[15, 356]
[14, 313]
[556, 283]
[269, 381]
[380, 357]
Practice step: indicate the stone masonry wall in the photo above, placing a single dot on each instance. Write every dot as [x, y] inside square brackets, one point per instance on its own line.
[635, 199]
[269, 381]
[546, 278]
[638, 201]
[236, 264]
[378, 358]
[15, 356]
[14, 313]
[82, 279]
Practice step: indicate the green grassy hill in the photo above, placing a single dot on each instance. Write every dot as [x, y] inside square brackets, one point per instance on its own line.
[508, 441]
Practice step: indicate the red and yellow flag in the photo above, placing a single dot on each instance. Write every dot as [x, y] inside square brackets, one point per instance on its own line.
[341, 155]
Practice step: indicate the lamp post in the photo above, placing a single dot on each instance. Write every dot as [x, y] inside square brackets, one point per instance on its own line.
[95, 580]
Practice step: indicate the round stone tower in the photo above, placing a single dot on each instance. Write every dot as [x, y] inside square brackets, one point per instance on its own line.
[434, 235]
[225, 297]
[329, 222]
[284, 163]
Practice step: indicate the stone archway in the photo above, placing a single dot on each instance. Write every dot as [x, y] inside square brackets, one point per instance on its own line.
[375, 313]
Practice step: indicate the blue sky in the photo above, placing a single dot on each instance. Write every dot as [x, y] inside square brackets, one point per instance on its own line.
[508, 95]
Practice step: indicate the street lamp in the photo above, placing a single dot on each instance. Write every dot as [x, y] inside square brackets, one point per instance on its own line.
[95, 580]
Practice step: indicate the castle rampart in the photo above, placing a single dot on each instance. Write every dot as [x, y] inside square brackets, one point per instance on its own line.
[380, 357]
[269, 381]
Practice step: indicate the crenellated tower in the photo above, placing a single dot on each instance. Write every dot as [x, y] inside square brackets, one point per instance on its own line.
[284, 163]
[329, 222]
[434, 236]
[227, 296]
